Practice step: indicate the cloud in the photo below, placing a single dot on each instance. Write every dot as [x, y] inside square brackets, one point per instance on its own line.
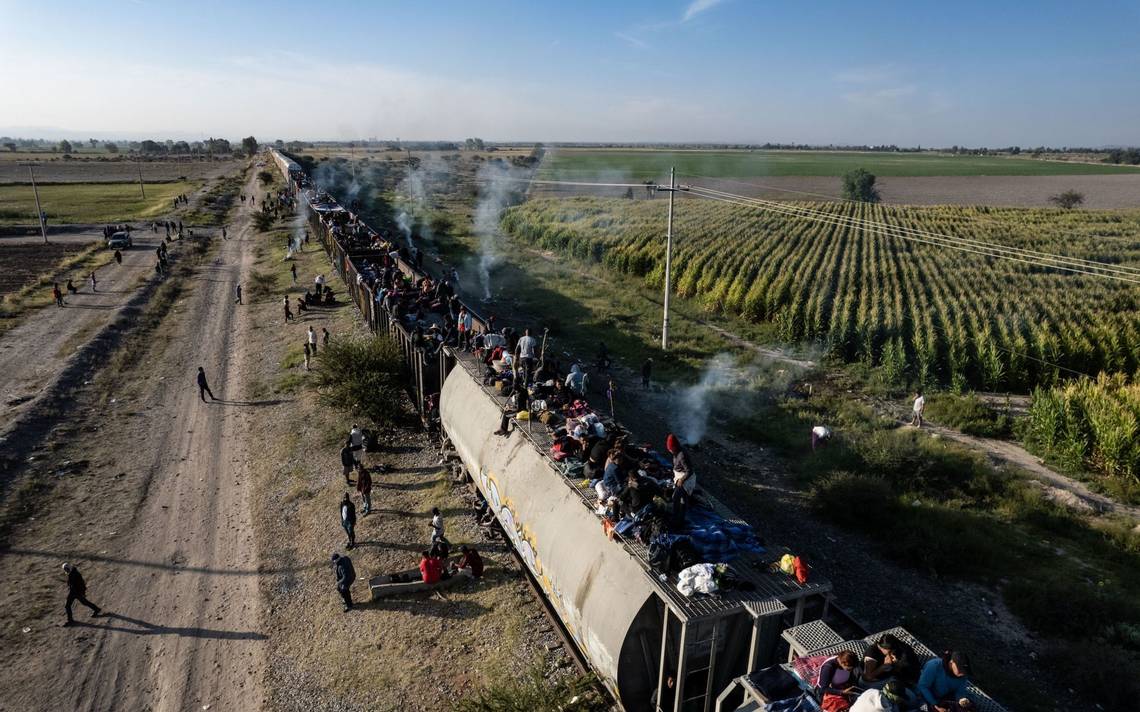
[632, 41]
[697, 7]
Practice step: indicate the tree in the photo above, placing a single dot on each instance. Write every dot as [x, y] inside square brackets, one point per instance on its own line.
[65, 146]
[279, 143]
[249, 143]
[93, 142]
[1067, 200]
[149, 146]
[111, 147]
[11, 146]
[859, 184]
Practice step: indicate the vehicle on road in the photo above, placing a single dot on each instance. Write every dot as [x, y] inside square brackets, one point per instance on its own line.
[119, 241]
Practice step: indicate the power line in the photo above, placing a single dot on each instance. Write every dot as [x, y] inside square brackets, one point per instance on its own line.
[1123, 269]
[1086, 267]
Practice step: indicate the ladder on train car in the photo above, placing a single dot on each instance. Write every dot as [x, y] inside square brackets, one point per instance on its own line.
[701, 678]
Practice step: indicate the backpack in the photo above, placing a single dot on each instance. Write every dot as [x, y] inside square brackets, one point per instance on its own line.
[658, 555]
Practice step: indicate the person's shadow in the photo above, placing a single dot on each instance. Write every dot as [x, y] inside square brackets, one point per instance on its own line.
[141, 627]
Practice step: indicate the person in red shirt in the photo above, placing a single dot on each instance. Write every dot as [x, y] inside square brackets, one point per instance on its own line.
[430, 568]
[470, 560]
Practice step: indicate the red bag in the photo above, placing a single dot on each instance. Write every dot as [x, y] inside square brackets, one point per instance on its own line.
[801, 573]
[834, 703]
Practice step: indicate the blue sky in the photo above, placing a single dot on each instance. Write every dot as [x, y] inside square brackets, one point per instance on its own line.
[968, 73]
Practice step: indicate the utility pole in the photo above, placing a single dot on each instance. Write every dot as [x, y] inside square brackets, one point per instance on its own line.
[139, 166]
[668, 254]
[36, 192]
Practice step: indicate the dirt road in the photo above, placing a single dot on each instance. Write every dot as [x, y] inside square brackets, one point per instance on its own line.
[178, 579]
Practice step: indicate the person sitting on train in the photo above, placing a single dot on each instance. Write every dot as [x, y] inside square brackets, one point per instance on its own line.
[639, 491]
[888, 658]
[944, 680]
[576, 380]
[612, 479]
[430, 568]
[596, 457]
[839, 674]
[470, 561]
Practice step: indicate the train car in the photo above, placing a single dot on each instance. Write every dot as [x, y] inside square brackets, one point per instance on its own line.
[289, 168]
[634, 626]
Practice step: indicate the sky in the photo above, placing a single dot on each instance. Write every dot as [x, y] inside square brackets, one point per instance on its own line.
[1018, 72]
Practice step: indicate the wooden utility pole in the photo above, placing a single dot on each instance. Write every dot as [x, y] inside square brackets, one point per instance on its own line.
[141, 188]
[36, 192]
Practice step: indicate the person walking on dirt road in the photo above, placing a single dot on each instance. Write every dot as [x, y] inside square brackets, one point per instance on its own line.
[345, 575]
[118, 257]
[919, 409]
[356, 439]
[348, 519]
[308, 353]
[364, 487]
[94, 282]
[224, 233]
[288, 311]
[238, 295]
[347, 461]
[325, 338]
[203, 386]
[77, 591]
[57, 294]
[293, 271]
[312, 341]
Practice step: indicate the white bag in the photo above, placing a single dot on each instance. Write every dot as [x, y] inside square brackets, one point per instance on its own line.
[697, 579]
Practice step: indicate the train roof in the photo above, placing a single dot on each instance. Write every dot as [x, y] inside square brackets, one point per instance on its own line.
[772, 591]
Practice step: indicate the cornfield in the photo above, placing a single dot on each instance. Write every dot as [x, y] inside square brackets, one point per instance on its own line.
[1090, 423]
[922, 313]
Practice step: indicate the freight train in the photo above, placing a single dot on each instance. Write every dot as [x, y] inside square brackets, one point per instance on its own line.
[635, 628]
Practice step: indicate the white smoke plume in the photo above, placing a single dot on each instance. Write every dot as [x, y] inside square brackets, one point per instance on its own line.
[729, 383]
[499, 186]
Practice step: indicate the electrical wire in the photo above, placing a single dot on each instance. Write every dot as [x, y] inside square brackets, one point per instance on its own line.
[1086, 267]
[1123, 269]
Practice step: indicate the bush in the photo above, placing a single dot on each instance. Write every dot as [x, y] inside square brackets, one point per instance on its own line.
[970, 415]
[261, 285]
[362, 375]
[1099, 680]
[265, 177]
[262, 221]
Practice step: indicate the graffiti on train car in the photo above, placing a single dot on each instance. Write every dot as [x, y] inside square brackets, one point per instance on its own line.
[523, 541]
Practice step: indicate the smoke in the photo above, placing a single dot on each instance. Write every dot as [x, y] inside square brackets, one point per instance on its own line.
[731, 384]
[404, 222]
[499, 187]
[297, 230]
[695, 402]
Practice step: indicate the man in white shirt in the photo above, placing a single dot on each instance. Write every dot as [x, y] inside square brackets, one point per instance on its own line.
[919, 409]
[356, 438]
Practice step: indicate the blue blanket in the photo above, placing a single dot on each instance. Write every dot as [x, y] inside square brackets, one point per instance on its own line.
[718, 540]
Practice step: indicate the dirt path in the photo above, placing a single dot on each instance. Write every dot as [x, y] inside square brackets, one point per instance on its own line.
[1058, 487]
[179, 582]
[36, 351]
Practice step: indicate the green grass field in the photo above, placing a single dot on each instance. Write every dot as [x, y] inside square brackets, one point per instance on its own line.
[88, 202]
[648, 163]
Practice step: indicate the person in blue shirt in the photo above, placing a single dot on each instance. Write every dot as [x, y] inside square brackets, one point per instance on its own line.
[943, 680]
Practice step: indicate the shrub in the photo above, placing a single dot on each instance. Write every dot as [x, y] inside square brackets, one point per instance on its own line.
[970, 415]
[362, 375]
